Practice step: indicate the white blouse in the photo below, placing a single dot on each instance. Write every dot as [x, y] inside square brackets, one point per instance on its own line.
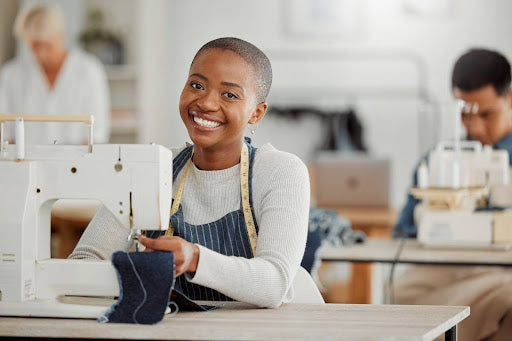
[81, 88]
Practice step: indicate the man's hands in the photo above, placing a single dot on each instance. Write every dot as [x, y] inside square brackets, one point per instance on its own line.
[186, 254]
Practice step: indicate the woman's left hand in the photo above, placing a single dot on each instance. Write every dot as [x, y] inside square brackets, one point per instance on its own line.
[186, 254]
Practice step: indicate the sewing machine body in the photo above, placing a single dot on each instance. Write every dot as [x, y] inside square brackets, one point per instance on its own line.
[448, 215]
[133, 181]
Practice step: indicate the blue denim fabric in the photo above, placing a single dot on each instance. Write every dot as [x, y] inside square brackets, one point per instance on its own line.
[405, 226]
[146, 280]
[326, 226]
[313, 243]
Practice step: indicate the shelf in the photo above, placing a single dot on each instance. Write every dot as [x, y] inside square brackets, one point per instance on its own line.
[124, 72]
[124, 121]
[123, 128]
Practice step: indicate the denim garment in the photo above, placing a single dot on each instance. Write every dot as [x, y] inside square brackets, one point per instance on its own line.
[146, 280]
[228, 235]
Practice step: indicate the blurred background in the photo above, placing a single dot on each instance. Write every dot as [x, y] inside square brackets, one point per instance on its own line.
[387, 61]
[370, 76]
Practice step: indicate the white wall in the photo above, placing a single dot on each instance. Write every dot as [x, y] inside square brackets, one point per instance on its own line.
[385, 26]
[168, 33]
[8, 10]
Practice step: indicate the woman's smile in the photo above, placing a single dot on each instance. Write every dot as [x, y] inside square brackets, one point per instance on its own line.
[203, 121]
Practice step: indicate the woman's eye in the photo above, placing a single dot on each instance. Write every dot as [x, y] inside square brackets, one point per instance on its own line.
[196, 86]
[229, 95]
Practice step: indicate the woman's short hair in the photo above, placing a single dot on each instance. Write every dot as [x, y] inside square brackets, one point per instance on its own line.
[252, 55]
[42, 22]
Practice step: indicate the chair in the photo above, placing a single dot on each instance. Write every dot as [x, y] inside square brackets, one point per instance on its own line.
[305, 289]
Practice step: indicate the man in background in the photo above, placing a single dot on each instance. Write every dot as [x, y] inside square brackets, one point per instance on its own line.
[481, 78]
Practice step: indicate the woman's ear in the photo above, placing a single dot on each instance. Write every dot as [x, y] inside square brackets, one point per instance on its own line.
[259, 112]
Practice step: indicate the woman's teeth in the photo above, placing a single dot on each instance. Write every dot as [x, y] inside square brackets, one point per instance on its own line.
[206, 123]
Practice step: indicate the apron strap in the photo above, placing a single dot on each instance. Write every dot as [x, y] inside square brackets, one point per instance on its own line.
[177, 197]
[244, 188]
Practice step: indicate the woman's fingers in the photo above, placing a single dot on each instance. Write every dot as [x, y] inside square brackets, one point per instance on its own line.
[186, 254]
[162, 243]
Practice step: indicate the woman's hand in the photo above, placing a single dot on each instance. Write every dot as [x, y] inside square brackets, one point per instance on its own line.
[186, 254]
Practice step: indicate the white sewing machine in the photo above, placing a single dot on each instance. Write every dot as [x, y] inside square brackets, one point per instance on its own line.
[133, 181]
[462, 176]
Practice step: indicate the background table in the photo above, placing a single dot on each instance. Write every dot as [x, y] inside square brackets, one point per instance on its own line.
[385, 251]
[289, 322]
[376, 223]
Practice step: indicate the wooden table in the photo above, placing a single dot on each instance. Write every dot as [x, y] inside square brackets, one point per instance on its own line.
[387, 251]
[289, 322]
[413, 253]
[375, 222]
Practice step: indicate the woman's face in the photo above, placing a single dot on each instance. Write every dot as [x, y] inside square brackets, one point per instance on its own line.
[48, 53]
[219, 99]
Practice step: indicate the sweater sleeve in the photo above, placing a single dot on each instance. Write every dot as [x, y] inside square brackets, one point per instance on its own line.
[103, 236]
[281, 204]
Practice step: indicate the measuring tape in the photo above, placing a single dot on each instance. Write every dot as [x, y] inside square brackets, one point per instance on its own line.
[244, 187]
[246, 206]
[177, 197]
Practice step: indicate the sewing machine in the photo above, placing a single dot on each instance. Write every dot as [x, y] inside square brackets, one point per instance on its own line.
[459, 195]
[133, 181]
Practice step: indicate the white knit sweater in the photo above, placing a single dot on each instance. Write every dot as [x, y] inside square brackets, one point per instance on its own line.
[280, 186]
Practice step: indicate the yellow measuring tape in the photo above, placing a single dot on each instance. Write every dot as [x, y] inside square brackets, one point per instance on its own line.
[177, 197]
[244, 187]
[246, 206]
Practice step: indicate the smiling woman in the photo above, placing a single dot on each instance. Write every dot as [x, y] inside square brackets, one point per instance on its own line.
[240, 214]
[216, 106]
[227, 86]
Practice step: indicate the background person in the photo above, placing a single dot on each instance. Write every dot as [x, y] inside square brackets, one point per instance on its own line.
[481, 77]
[52, 80]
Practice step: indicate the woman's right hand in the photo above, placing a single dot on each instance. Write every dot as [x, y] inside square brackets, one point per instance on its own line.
[186, 254]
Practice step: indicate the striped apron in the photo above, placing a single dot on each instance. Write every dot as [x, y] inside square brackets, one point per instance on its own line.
[228, 235]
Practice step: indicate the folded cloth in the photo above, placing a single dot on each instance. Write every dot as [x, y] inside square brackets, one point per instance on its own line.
[146, 280]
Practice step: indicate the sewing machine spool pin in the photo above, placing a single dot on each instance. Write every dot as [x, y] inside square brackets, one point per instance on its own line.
[20, 139]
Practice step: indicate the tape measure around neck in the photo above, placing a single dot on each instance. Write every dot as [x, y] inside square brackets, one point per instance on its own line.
[177, 197]
[244, 187]
[246, 205]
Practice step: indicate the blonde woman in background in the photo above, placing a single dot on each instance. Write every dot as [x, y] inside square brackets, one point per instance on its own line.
[53, 80]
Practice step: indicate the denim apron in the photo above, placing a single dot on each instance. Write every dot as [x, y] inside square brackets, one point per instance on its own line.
[229, 235]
